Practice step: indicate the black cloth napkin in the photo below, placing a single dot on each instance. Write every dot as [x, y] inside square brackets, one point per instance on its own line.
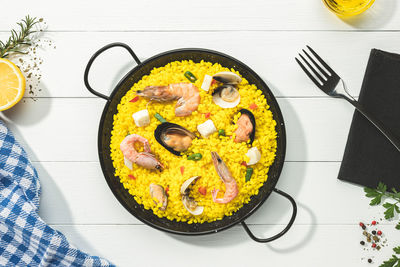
[370, 158]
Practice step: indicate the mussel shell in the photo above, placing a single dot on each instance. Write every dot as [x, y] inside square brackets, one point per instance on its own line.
[187, 202]
[163, 200]
[186, 185]
[252, 120]
[165, 127]
[227, 77]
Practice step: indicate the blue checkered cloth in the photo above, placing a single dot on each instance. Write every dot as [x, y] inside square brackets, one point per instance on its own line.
[25, 239]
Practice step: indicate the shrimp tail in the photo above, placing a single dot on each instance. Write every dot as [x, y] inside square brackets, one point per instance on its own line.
[231, 188]
[214, 194]
[181, 111]
[157, 93]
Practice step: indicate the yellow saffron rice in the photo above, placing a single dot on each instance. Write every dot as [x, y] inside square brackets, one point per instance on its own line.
[137, 181]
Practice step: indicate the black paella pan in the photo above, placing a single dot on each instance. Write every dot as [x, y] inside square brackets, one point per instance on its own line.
[106, 125]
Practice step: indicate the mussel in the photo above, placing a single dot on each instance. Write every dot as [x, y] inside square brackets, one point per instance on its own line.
[188, 202]
[246, 127]
[174, 137]
[227, 77]
[158, 195]
[226, 96]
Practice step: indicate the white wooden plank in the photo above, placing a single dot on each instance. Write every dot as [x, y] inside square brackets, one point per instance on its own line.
[305, 245]
[76, 193]
[123, 15]
[57, 129]
[270, 54]
[65, 129]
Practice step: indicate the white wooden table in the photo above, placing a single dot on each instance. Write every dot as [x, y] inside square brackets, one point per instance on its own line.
[59, 129]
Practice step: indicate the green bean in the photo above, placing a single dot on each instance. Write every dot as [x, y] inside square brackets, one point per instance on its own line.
[221, 132]
[249, 173]
[160, 118]
[195, 157]
[190, 76]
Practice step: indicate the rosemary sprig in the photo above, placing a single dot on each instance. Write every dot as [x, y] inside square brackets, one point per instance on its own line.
[19, 38]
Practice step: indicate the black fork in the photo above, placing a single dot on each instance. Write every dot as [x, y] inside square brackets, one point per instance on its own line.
[331, 84]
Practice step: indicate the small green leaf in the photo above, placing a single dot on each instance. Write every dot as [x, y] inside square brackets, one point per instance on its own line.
[370, 190]
[387, 205]
[389, 213]
[398, 226]
[381, 187]
[397, 208]
[367, 189]
[397, 250]
[372, 193]
[389, 263]
[375, 201]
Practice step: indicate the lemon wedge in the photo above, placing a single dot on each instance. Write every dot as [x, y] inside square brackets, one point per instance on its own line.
[12, 84]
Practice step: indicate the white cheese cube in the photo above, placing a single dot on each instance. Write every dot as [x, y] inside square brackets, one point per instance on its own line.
[254, 156]
[141, 118]
[206, 82]
[206, 128]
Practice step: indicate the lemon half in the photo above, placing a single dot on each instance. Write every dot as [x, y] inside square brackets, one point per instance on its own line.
[12, 84]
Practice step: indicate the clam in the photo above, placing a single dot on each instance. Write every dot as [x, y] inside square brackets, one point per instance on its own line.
[227, 77]
[158, 195]
[246, 127]
[188, 202]
[174, 137]
[226, 96]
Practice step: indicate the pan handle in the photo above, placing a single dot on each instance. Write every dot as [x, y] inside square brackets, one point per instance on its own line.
[266, 240]
[95, 55]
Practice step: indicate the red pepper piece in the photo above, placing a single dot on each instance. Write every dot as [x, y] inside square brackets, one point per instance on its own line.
[133, 100]
[207, 115]
[202, 190]
[167, 190]
[379, 232]
[373, 222]
[253, 106]
[132, 177]
[182, 169]
[213, 82]
[243, 163]
[374, 245]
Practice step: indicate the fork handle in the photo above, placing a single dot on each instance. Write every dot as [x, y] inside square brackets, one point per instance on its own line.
[378, 124]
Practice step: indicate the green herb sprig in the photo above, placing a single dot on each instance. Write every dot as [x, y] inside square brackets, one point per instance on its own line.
[377, 196]
[19, 38]
[379, 193]
[394, 261]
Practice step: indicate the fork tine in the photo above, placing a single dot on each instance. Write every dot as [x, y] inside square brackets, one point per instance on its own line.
[312, 68]
[308, 73]
[322, 62]
[323, 72]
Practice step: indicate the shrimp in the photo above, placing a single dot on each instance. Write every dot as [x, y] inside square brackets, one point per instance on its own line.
[186, 93]
[144, 159]
[245, 127]
[231, 188]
